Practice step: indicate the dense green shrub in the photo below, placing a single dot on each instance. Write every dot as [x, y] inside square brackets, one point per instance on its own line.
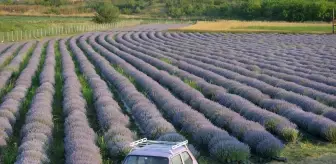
[53, 10]
[105, 12]
[132, 6]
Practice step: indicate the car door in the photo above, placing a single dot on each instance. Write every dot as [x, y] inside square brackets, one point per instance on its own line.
[176, 159]
[187, 158]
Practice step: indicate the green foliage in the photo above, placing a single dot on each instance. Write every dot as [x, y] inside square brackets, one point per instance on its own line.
[7, 2]
[121, 71]
[332, 135]
[53, 10]
[105, 12]
[43, 2]
[57, 148]
[290, 135]
[166, 60]
[287, 10]
[283, 10]
[192, 84]
[132, 6]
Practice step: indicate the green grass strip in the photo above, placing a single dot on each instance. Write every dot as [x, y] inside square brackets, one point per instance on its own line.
[11, 151]
[57, 148]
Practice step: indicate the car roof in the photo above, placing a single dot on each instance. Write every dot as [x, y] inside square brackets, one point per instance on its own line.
[157, 150]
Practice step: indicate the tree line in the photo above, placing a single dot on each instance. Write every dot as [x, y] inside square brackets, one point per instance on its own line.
[285, 10]
[279, 10]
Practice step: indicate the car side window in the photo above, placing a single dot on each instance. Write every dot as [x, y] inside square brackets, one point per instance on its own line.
[186, 158]
[177, 160]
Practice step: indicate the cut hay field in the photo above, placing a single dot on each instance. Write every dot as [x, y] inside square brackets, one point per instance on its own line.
[258, 27]
[237, 98]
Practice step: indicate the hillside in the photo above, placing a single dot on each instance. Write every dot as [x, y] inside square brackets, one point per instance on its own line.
[273, 10]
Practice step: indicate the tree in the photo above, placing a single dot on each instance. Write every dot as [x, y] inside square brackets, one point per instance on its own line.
[105, 12]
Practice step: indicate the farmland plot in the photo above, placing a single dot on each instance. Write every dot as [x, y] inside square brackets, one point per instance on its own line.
[235, 97]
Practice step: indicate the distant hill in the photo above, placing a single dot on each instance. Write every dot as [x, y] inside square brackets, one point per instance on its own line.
[280, 10]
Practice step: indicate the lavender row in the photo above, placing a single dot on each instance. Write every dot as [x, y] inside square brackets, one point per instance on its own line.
[318, 55]
[299, 80]
[4, 47]
[36, 133]
[245, 56]
[231, 70]
[111, 119]
[290, 111]
[219, 115]
[203, 132]
[282, 127]
[272, 65]
[212, 72]
[305, 103]
[267, 62]
[146, 115]
[9, 52]
[14, 65]
[255, 48]
[299, 52]
[80, 139]
[273, 70]
[11, 103]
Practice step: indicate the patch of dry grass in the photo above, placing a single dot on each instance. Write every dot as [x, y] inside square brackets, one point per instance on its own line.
[258, 26]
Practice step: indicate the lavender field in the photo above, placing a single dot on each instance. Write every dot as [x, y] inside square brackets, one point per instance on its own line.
[235, 97]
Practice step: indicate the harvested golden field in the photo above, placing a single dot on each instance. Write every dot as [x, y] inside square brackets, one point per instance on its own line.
[258, 26]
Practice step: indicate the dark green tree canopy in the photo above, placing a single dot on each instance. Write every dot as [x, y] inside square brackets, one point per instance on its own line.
[105, 11]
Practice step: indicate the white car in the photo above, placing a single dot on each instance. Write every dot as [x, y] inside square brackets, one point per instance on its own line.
[159, 152]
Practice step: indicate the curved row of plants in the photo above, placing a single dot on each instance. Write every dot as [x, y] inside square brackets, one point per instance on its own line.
[12, 102]
[290, 111]
[281, 50]
[262, 59]
[228, 78]
[37, 131]
[80, 139]
[147, 117]
[218, 142]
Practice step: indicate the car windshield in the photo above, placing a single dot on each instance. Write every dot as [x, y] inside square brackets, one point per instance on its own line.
[135, 159]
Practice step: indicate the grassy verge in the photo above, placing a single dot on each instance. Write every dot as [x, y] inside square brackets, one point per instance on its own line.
[17, 23]
[258, 27]
[10, 152]
[309, 149]
[57, 148]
